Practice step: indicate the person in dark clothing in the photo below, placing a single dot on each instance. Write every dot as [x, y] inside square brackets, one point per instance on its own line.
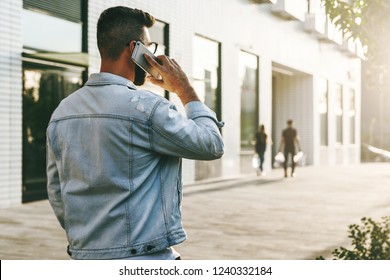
[261, 145]
[288, 146]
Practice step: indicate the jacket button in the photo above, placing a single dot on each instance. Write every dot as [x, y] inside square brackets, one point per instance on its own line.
[150, 247]
[133, 251]
[68, 251]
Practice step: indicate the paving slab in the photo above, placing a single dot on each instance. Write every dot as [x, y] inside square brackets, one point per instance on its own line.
[249, 217]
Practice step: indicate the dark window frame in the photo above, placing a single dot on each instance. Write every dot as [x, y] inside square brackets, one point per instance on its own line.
[34, 188]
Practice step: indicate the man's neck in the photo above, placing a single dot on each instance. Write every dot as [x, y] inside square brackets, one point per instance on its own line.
[117, 68]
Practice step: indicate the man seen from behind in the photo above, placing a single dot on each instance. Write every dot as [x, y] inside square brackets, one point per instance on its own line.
[289, 143]
[114, 152]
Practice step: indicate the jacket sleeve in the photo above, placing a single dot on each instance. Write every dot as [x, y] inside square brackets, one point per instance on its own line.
[53, 184]
[196, 136]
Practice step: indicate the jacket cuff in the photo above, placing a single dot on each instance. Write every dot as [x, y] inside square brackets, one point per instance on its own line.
[197, 109]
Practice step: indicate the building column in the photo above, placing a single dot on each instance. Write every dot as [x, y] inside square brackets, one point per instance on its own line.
[265, 104]
[10, 102]
[231, 110]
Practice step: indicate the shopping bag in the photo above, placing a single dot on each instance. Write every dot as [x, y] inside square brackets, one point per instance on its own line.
[279, 158]
[300, 158]
[256, 161]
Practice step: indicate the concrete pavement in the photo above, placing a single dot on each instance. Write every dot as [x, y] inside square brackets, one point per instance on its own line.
[251, 217]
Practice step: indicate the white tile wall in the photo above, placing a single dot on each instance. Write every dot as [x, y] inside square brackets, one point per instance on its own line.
[10, 103]
[237, 24]
[294, 100]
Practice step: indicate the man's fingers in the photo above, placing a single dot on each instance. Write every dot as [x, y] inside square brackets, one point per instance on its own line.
[157, 82]
[175, 62]
[164, 59]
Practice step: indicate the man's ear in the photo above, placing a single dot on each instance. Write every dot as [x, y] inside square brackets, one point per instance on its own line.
[131, 46]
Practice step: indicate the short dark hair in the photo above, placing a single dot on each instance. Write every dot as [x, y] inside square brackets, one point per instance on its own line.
[290, 122]
[118, 26]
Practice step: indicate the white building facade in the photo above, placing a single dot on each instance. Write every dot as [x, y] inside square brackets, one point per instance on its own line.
[253, 62]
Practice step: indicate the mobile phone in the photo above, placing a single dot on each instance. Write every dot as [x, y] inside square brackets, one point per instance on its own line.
[139, 59]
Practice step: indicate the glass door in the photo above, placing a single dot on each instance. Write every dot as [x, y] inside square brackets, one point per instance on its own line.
[44, 86]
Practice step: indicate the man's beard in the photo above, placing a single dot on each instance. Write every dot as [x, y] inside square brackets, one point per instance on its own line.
[139, 76]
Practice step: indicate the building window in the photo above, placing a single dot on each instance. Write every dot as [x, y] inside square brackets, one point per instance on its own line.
[323, 110]
[339, 113]
[248, 77]
[352, 116]
[159, 33]
[55, 26]
[44, 86]
[206, 72]
[54, 38]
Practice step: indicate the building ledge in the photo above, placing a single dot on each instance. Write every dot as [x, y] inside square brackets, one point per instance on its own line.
[290, 9]
[264, 1]
[77, 59]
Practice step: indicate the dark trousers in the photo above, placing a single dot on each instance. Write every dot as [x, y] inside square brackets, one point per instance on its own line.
[286, 154]
[261, 158]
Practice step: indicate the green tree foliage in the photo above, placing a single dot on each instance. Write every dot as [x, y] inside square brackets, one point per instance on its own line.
[367, 21]
[364, 20]
[350, 18]
[370, 241]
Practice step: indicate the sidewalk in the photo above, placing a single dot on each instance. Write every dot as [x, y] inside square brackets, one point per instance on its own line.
[252, 217]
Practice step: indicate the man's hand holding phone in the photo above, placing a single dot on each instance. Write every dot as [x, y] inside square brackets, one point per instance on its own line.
[172, 78]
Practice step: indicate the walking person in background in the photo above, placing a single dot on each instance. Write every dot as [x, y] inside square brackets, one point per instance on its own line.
[262, 140]
[288, 145]
[114, 152]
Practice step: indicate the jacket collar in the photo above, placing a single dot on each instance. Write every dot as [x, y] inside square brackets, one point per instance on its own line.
[101, 79]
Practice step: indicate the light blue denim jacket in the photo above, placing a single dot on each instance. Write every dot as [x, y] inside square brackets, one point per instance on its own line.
[114, 167]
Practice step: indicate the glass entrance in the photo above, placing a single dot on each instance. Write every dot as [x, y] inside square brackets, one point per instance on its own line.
[44, 86]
